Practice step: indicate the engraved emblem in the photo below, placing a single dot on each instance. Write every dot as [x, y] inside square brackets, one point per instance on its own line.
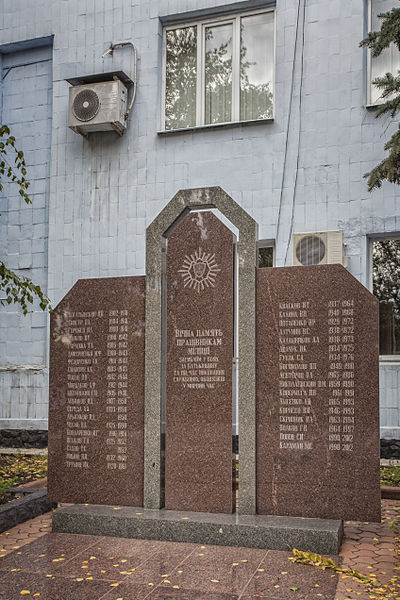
[199, 270]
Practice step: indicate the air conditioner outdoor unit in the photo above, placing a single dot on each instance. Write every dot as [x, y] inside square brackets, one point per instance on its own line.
[98, 107]
[318, 248]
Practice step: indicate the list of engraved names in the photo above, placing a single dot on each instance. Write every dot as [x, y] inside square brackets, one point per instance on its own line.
[303, 379]
[87, 367]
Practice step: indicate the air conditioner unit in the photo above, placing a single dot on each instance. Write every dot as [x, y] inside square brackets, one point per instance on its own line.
[98, 107]
[318, 248]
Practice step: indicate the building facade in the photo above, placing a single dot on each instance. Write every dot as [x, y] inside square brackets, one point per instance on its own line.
[270, 100]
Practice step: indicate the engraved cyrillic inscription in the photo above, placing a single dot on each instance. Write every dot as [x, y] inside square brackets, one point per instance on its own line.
[198, 358]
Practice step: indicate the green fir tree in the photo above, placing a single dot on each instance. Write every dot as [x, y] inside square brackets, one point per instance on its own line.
[389, 84]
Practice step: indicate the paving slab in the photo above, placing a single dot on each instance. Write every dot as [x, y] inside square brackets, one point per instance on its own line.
[174, 571]
[78, 567]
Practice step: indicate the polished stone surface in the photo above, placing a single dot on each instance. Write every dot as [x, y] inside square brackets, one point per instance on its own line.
[317, 394]
[198, 440]
[253, 531]
[96, 420]
[186, 200]
[67, 567]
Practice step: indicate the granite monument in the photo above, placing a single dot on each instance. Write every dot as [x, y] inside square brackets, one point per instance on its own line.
[317, 394]
[199, 312]
[96, 393]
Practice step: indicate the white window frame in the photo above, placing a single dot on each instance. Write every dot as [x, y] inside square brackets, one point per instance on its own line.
[201, 26]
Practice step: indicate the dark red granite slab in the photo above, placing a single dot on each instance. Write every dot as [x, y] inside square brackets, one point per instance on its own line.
[175, 571]
[51, 588]
[317, 394]
[97, 393]
[276, 576]
[198, 472]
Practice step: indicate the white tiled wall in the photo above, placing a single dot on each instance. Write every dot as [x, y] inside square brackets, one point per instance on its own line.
[105, 191]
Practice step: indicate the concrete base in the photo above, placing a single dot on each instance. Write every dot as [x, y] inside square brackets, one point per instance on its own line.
[275, 533]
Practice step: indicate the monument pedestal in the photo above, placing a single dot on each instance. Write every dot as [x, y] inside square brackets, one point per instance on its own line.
[251, 531]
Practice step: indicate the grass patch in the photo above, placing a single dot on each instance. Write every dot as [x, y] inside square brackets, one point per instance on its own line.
[390, 476]
[19, 469]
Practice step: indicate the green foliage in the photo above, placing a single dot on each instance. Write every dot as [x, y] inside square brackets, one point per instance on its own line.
[20, 290]
[386, 272]
[4, 485]
[22, 468]
[377, 42]
[17, 289]
[16, 172]
[390, 476]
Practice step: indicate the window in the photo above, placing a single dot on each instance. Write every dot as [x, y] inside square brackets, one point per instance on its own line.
[389, 60]
[265, 254]
[386, 287]
[219, 71]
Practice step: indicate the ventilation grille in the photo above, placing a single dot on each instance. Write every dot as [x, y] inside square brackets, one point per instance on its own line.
[86, 105]
[310, 250]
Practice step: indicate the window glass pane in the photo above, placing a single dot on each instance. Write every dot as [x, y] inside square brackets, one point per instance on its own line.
[386, 287]
[180, 83]
[389, 60]
[218, 73]
[265, 256]
[256, 66]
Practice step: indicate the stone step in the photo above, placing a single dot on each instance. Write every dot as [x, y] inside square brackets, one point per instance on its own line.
[275, 533]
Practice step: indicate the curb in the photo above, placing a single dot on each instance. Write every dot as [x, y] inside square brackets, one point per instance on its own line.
[32, 504]
[390, 493]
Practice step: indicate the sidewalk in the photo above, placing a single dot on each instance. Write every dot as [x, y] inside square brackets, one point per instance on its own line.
[61, 566]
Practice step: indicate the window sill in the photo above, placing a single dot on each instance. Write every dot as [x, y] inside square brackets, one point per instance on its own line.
[213, 126]
[374, 106]
[389, 359]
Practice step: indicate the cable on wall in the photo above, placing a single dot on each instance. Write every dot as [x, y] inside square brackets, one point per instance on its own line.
[289, 121]
[299, 132]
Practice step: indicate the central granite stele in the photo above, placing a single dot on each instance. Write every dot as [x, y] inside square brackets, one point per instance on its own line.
[142, 393]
